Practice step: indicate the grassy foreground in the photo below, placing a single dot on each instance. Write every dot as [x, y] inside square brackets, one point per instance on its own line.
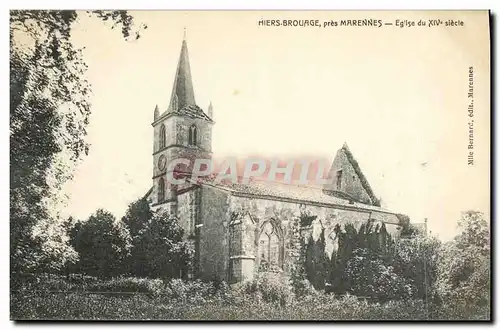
[270, 297]
[78, 306]
[75, 306]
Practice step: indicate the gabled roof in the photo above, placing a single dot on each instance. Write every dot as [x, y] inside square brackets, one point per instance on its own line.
[361, 176]
[288, 193]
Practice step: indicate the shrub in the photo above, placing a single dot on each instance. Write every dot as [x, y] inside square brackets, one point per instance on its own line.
[273, 287]
[51, 282]
[303, 288]
[370, 277]
[129, 284]
[191, 291]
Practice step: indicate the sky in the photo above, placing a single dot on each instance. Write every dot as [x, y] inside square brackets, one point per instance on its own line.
[397, 96]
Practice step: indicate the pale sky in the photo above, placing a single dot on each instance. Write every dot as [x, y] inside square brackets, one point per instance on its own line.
[397, 96]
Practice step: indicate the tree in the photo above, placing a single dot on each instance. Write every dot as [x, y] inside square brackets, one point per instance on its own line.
[103, 245]
[364, 263]
[317, 264]
[49, 113]
[371, 277]
[417, 259]
[464, 269]
[137, 215]
[159, 249]
[475, 232]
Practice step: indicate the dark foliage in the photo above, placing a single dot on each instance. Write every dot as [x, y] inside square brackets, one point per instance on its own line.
[159, 249]
[103, 245]
[49, 113]
[370, 263]
[137, 215]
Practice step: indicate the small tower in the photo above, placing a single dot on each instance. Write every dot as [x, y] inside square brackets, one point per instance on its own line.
[211, 111]
[157, 112]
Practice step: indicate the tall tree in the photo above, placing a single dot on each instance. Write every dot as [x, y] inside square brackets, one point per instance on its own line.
[137, 215]
[464, 272]
[317, 264]
[49, 113]
[159, 249]
[103, 245]
[417, 259]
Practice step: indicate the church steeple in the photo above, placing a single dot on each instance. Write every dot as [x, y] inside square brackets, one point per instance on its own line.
[182, 91]
[184, 131]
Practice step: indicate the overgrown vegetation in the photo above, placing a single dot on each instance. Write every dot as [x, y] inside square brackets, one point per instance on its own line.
[370, 263]
[270, 296]
[370, 276]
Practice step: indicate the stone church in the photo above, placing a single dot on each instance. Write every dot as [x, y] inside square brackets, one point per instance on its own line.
[236, 228]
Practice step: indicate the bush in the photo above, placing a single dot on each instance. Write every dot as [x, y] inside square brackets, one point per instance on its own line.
[273, 287]
[370, 277]
[129, 284]
[51, 282]
[193, 291]
[303, 288]
[83, 283]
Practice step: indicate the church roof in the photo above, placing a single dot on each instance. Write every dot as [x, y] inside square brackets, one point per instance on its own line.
[295, 193]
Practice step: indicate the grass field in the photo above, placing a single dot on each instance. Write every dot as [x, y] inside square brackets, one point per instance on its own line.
[86, 298]
[78, 306]
[75, 306]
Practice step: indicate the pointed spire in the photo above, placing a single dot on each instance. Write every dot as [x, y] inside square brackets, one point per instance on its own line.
[344, 146]
[182, 91]
[210, 110]
[157, 112]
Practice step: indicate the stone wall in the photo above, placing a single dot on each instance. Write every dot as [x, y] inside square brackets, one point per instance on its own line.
[188, 210]
[253, 213]
[214, 235]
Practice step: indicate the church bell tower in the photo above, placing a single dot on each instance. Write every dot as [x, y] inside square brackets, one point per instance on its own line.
[183, 130]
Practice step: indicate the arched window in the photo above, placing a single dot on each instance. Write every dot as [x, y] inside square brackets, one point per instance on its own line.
[163, 136]
[269, 246]
[161, 190]
[193, 135]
